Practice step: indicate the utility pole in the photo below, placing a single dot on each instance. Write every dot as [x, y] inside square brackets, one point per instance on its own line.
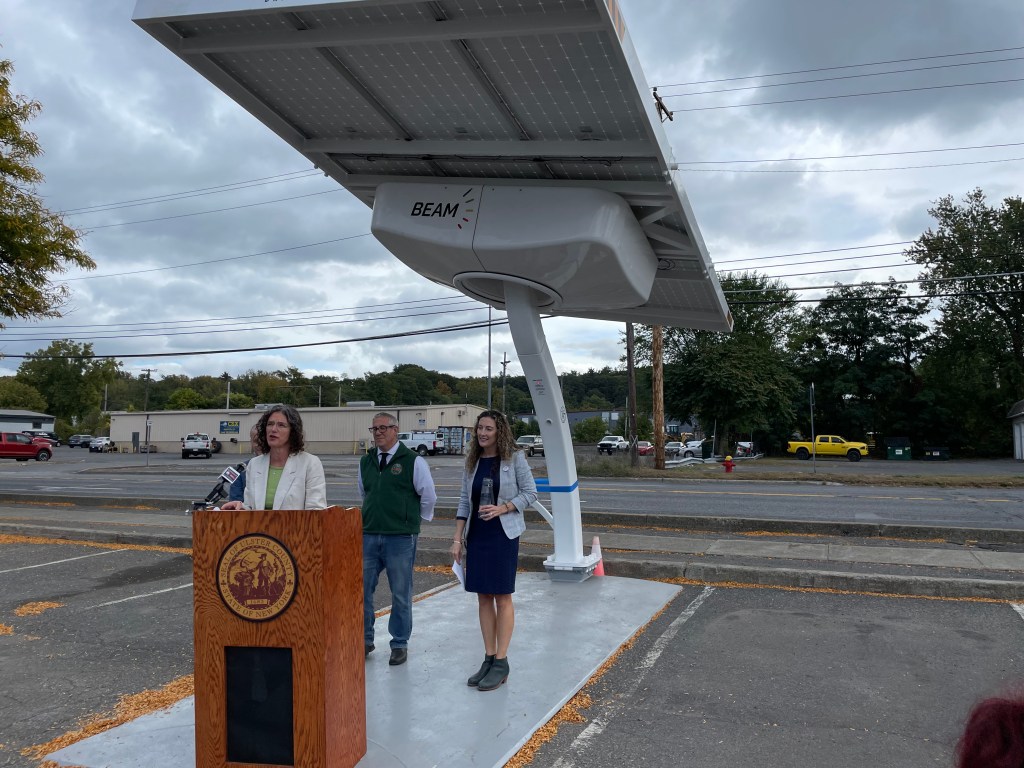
[658, 387]
[631, 380]
[145, 407]
[504, 364]
[488, 358]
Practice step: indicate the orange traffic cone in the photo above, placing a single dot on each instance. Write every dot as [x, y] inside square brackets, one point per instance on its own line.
[595, 549]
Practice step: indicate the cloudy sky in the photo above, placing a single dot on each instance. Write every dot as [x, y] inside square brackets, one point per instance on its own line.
[812, 136]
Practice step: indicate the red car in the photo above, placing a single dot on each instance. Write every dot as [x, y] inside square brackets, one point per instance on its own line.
[15, 445]
[644, 447]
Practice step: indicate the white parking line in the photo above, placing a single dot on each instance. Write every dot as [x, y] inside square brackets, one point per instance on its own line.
[1019, 608]
[66, 560]
[598, 725]
[136, 597]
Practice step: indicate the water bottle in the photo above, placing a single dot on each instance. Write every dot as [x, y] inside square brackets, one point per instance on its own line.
[486, 493]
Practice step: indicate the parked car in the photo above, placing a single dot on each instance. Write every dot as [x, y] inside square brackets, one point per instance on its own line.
[611, 443]
[15, 445]
[531, 444]
[79, 441]
[644, 447]
[692, 448]
[52, 437]
[100, 445]
[673, 448]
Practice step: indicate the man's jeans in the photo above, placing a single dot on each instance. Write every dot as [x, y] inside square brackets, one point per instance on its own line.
[395, 553]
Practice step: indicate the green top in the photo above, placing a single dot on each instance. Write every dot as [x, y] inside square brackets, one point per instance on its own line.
[390, 502]
[273, 478]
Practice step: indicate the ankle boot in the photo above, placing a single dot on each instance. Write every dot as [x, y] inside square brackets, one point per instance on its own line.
[496, 675]
[484, 669]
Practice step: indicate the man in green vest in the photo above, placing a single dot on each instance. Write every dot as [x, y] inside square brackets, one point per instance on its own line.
[397, 492]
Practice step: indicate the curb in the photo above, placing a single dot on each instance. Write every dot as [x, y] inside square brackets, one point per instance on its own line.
[695, 523]
[792, 578]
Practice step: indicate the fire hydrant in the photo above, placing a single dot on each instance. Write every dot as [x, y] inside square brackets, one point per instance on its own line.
[728, 464]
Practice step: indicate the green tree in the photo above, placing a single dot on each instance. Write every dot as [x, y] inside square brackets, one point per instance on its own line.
[743, 381]
[34, 242]
[974, 268]
[241, 400]
[589, 430]
[185, 399]
[860, 347]
[69, 377]
[15, 394]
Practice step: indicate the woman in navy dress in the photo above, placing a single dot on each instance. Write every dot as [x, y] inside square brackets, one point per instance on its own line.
[487, 536]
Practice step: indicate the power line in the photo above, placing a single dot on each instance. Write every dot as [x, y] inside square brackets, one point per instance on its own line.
[758, 86]
[868, 285]
[164, 334]
[378, 337]
[877, 298]
[184, 195]
[269, 317]
[214, 261]
[216, 210]
[847, 170]
[844, 66]
[850, 95]
[850, 157]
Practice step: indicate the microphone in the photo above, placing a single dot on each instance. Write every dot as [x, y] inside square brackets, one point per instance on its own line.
[227, 477]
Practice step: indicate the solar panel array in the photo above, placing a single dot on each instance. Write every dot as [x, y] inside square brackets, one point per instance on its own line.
[548, 92]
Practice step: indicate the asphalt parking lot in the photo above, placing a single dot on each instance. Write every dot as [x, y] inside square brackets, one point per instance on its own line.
[82, 626]
[723, 677]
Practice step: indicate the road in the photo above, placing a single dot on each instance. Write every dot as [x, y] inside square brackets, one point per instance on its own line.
[79, 473]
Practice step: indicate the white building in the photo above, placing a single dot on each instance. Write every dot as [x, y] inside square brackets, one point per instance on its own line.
[1017, 415]
[17, 421]
[327, 430]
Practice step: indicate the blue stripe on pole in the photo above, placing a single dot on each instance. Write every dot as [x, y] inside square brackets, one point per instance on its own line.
[543, 484]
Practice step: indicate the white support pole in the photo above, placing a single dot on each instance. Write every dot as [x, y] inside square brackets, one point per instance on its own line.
[568, 563]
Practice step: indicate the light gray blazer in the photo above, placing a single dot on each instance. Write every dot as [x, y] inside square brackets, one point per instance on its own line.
[516, 485]
[302, 485]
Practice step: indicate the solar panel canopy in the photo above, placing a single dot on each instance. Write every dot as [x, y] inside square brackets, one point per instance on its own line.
[524, 94]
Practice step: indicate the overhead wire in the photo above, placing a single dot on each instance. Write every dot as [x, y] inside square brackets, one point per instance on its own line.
[849, 95]
[759, 86]
[188, 194]
[844, 66]
[376, 337]
[215, 210]
[192, 332]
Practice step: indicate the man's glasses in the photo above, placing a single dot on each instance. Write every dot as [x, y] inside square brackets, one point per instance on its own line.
[384, 428]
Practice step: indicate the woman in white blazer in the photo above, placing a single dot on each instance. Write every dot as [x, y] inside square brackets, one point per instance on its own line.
[284, 476]
[487, 534]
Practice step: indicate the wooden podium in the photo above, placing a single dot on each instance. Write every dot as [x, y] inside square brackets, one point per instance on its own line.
[279, 662]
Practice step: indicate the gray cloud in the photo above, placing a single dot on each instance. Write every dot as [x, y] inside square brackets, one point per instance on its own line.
[123, 120]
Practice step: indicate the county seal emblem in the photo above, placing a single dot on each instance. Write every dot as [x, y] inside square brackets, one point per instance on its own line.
[256, 577]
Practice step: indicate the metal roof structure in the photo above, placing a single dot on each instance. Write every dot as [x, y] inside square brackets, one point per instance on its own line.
[504, 92]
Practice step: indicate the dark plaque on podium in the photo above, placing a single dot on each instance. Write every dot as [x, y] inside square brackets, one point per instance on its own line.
[280, 676]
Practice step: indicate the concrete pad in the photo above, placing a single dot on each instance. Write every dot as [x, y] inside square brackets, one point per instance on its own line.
[423, 713]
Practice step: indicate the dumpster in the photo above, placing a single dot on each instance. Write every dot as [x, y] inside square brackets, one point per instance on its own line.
[706, 449]
[897, 448]
[936, 453]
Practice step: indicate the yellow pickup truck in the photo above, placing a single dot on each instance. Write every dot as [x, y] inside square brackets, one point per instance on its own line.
[828, 445]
